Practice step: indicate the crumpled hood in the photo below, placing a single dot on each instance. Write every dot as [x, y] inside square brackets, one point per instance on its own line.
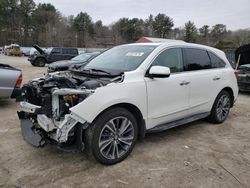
[65, 63]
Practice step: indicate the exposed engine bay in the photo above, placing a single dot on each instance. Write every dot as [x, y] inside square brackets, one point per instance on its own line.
[70, 90]
[46, 102]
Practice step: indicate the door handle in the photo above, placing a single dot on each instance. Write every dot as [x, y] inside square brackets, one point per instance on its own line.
[184, 83]
[216, 78]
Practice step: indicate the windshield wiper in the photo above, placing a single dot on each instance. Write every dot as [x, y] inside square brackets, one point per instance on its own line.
[99, 70]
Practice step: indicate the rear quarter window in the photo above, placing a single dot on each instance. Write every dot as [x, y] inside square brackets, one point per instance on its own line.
[74, 51]
[216, 62]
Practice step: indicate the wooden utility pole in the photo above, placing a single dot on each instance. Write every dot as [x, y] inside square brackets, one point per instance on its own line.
[238, 62]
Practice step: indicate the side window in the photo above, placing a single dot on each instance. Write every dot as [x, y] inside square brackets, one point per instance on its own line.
[171, 58]
[66, 51]
[216, 61]
[73, 51]
[196, 59]
[56, 51]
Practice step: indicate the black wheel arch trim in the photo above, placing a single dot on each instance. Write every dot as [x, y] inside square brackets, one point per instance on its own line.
[231, 93]
[41, 57]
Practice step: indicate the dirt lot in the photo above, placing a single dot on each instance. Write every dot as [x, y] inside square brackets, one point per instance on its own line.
[199, 154]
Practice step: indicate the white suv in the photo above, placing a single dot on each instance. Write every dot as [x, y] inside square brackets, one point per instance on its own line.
[124, 93]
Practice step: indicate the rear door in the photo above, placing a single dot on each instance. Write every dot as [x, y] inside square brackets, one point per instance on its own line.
[204, 80]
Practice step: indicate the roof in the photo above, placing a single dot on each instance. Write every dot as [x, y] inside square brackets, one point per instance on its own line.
[171, 43]
[179, 43]
[156, 40]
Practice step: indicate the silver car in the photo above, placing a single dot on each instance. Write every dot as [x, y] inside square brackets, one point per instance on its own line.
[10, 81]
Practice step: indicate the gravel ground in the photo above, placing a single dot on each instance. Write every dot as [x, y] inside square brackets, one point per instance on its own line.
[199, 154]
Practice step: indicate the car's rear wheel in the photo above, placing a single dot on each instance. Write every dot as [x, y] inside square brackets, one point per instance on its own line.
[40, 62]
[112, 136]
[221, 108]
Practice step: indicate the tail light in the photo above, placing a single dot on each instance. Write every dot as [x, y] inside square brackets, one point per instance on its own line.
[236, 72]
[19, 81]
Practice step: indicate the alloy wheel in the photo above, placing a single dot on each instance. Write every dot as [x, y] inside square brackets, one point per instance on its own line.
[223, 107]
[116, 138]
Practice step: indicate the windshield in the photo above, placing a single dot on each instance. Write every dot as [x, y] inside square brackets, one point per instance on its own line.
[16, 47]
[47, 50]
[82, 57]
[121, 58]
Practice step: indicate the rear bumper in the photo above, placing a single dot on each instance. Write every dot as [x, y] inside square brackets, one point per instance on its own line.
[244, 86]
[16, 93]
[244, 82]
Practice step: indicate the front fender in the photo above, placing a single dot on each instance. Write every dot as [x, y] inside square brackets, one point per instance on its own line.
[104, 97]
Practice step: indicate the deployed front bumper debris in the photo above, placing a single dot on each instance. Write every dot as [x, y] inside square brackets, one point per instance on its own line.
[39, 130]
[31, 135]
[45, 109]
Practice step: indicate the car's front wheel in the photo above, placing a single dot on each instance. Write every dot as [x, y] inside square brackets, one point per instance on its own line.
[221, 108]
[112, 136]
[40, 62]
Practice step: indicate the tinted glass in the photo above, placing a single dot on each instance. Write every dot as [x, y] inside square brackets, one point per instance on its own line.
[66, 51]
[216, 61]
[56, 50]
[171, 58]
[73, 51]
[196, 59]
[121, 58]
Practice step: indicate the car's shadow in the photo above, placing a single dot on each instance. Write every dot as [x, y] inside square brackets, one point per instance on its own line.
[245, 93]
[81, 161]
[5, 102]
[176, 131]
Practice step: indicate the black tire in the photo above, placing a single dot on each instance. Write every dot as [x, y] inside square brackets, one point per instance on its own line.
[215, 116]
[98, 130]
[40, 62]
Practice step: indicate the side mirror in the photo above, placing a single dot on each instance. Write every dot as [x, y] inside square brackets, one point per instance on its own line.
[159, 72]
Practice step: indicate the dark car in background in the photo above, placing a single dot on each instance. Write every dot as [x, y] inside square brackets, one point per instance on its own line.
[42, 58]
[242, 56]
[78, 60]
[244, 77]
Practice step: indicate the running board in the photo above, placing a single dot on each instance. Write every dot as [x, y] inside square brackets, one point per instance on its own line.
[176, 123]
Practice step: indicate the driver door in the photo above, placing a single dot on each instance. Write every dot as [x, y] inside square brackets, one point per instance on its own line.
[168, 97]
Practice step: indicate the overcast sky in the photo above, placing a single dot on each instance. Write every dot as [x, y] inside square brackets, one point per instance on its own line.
[233, 13]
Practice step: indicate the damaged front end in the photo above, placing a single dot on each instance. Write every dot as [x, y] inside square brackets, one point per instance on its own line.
[45, 109]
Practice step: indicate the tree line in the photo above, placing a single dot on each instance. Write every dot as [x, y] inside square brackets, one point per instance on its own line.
[27, 23]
